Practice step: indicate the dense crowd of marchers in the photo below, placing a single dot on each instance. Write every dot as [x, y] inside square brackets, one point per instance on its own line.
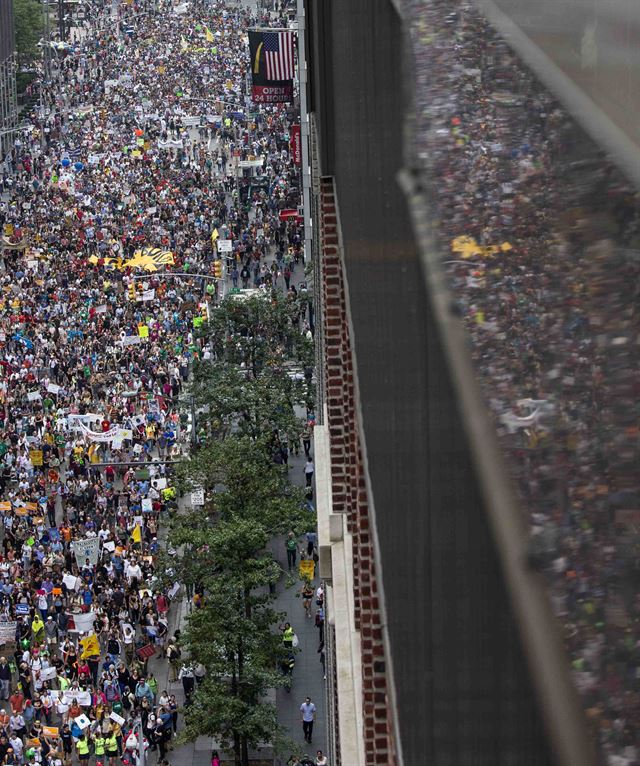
[540, 235]
[106, 191]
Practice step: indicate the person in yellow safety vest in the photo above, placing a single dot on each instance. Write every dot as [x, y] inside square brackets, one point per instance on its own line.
[82, 746]
[287, 635]
[99, 745]
[112, 747]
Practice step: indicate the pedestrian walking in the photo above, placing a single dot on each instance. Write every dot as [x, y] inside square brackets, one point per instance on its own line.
[292, 550]
[307, 597]
[306, 440]
[323, 660]
[312, 541]
[5, 679]
[308, 472]
[308, 715]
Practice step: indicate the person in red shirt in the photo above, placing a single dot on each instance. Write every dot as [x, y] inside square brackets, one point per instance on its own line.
[16, 700]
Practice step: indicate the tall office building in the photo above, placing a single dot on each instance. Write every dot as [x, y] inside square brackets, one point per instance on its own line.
[8, 96]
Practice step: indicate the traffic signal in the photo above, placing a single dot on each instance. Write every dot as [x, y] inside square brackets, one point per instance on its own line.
[132, 291]
[217, 269]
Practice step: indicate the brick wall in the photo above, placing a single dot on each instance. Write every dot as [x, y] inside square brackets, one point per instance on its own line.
[349, 493]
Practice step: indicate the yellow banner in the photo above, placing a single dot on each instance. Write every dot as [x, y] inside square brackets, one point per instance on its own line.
[90, 646]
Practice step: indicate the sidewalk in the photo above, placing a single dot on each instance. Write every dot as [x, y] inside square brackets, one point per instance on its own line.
[307, 676]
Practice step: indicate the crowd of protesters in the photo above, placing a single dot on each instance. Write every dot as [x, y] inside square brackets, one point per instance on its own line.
[140, 145]
[541, 235]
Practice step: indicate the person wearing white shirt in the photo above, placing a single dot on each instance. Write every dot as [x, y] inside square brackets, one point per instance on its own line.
[133, 570]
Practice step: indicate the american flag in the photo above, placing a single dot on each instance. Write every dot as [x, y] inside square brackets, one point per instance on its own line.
[278, 55]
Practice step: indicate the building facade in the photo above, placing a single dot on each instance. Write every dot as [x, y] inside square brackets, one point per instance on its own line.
[8, 96]
[441, 648]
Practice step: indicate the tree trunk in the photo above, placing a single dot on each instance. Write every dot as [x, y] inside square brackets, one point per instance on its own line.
[245, 752]
[237, 750]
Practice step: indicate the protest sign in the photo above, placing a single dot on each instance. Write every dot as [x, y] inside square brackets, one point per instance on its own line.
[52, 388]
[36, 457]
[83, 698]
[306, 569]
[117, 718]
[131, 340]
[197, 496]
[70, 581]
[90, 646]
[84, 622]
[87, 549]
[82, 721]
[51, 731]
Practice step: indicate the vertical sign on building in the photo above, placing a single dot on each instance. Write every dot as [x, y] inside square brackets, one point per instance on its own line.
[272, 66]
[295, 145]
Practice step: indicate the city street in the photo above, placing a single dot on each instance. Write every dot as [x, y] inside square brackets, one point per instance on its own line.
[144, 153]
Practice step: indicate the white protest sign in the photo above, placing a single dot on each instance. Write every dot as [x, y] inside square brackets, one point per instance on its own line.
[83, 698]
[70, 581]
[84, 622]
[52, 388]
[87, 549]
[82, 721]
[48, 674]
[131, 340]
[147, 505]
[224, 245]
[33, 396]
[101, 309]
[148, 295]
[117, 718]
[197, 496]
[110, 546]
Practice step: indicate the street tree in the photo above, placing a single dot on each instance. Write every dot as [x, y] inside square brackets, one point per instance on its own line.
[228, 399]
[28, 30]
[233, 634]
[259, 331]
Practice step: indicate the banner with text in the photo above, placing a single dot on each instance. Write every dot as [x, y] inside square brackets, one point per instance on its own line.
[263, 89]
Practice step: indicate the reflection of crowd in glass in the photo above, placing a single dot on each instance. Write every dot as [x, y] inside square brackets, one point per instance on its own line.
[553, 325]
[83, 354]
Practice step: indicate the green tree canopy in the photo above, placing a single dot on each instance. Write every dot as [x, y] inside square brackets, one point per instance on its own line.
[28, 27]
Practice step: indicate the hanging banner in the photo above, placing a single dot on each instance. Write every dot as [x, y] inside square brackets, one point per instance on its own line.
[264, 90]
[87, 549]
[295, 145]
